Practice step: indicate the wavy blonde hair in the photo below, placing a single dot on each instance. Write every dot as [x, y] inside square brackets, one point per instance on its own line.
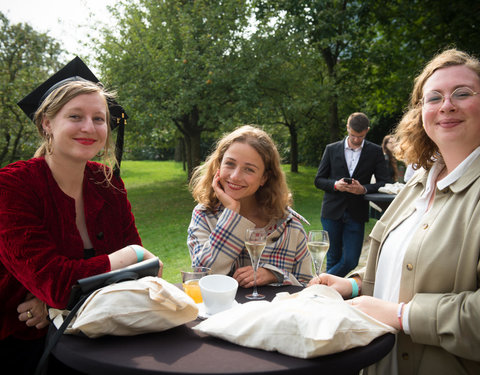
[55, 101]
[274, 196]
[413, 144]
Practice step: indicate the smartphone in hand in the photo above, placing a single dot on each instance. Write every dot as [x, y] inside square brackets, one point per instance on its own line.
[348, 180]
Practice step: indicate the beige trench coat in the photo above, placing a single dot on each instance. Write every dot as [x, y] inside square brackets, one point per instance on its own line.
[440, 275]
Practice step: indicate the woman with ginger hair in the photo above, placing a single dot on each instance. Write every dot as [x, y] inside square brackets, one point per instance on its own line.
[423, 269]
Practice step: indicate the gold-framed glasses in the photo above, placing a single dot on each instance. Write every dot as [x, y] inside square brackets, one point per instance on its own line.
[433, 100]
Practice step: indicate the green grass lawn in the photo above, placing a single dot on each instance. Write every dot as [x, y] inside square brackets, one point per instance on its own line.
[162, 206]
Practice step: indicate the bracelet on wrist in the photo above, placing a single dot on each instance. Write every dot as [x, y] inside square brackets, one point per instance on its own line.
[354, 287]
[139, 251]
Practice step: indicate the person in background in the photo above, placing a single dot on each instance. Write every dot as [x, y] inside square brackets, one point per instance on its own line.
[423, 269]
[388, 146]
[345, 172]
[63, 217]
[241, 185]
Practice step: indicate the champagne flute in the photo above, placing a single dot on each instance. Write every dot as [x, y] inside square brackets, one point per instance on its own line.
[255, 242]
[318, 244]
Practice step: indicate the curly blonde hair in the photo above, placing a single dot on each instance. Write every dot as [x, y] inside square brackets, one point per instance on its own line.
[274, 196]
[55, 101]
[413, 144]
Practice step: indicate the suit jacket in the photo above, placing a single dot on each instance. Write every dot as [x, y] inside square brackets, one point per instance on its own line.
[333, 167]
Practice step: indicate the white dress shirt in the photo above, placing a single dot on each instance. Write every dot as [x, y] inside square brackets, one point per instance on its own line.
[352, 156]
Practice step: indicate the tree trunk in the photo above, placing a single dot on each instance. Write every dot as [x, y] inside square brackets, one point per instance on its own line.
[293, 148]
[188, 153]
[333, 123]
[184, 155]
[4, 152]
[195, 153]
[330, 59]
[188, 125]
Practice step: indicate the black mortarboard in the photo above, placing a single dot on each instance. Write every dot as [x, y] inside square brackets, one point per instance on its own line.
[75, 70]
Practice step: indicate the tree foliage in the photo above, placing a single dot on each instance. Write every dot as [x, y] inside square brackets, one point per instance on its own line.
[176, 64]
[26, 59]
[191, 69]
[288, 84]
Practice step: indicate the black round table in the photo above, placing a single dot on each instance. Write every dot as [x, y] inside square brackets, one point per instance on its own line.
[183, 351]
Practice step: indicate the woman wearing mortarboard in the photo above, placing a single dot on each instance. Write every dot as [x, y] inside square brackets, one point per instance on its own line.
[63, 217]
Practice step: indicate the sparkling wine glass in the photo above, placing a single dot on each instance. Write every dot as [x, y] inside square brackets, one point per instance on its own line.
[255, 242]
[318, 244]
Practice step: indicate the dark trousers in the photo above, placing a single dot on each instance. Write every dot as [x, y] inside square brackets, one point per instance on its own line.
[21, 356]
[346, 241]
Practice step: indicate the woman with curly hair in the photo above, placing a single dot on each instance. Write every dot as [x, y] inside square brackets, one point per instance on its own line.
[241, 185]
[423, 268]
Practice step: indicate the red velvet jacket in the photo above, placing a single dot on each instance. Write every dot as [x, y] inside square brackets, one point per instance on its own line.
[41, 250]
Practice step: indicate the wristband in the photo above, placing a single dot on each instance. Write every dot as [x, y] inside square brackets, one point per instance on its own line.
[354, 287]
[399, 314]
[139, 251]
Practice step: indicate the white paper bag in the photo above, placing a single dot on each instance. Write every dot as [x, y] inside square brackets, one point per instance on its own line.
[391, 188]
[316, 321]
[149, 304]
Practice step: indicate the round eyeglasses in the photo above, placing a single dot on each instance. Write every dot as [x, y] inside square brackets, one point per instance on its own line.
[434, 100]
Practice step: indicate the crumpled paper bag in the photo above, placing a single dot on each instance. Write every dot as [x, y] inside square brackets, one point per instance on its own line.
[391, 188]
[313, 322]
[149, 304]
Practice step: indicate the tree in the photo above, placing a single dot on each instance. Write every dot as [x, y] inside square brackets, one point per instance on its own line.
[404, 36]
[27, 58]
[178, 59]
[287, 81]
[331, 27]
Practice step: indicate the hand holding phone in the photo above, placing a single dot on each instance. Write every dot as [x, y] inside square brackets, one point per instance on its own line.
[348, 180]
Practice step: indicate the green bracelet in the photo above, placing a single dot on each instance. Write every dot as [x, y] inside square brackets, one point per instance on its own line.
[354, 287]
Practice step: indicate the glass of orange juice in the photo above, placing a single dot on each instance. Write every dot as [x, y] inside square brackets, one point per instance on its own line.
[190, 282]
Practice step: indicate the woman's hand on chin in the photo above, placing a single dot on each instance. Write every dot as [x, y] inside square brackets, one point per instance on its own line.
[223, 197]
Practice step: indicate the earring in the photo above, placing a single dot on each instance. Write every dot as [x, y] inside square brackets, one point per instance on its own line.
[49, 146]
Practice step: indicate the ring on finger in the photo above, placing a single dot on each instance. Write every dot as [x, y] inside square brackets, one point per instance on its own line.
[29, 314]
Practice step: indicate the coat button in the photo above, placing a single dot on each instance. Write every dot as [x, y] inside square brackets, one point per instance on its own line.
[409, 266]
[100, 235]
[425, 226]
[405, 356]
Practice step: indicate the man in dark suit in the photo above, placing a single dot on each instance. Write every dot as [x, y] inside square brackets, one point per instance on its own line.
[345, 173]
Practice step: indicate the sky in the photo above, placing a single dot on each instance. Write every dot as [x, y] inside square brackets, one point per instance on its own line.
[67, 21]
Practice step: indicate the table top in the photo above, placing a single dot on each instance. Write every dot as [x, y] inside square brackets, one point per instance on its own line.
[379, 197]
[183, 351]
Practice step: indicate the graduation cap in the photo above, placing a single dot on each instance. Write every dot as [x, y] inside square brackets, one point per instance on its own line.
[76, 70]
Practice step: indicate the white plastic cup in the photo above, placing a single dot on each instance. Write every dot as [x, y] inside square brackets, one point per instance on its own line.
[218, 292]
